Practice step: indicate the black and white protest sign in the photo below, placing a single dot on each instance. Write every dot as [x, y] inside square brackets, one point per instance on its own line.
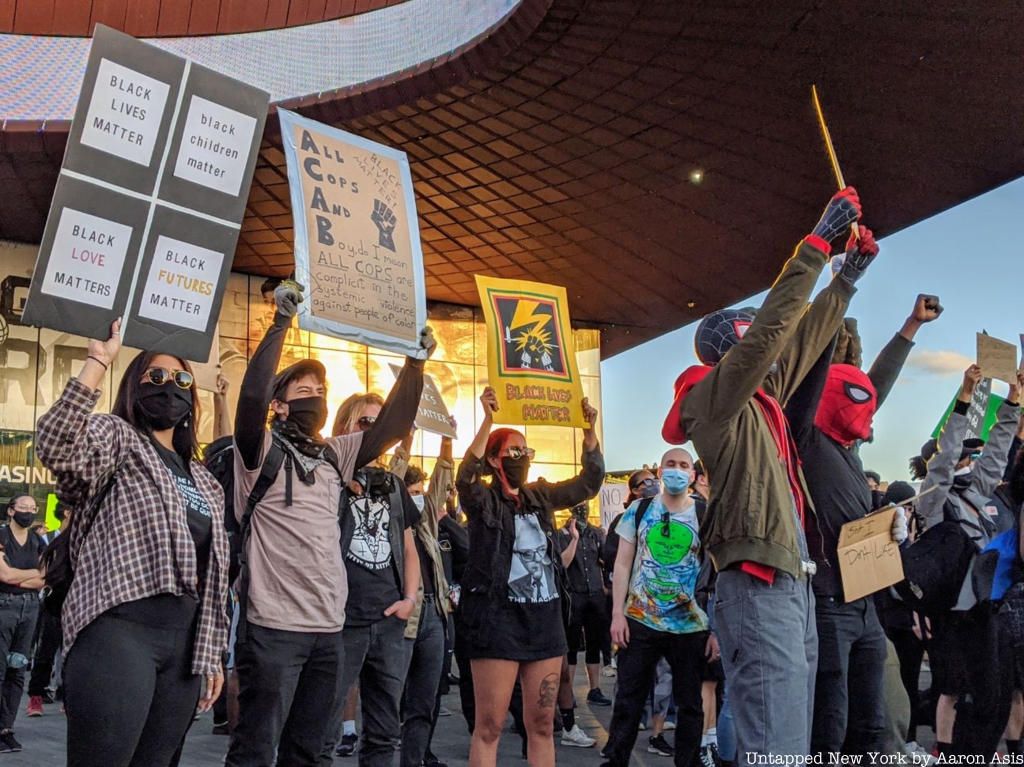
[148, 206]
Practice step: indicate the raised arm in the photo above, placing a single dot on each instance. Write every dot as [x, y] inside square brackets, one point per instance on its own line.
[472, 493]
[258, 382]
[442, 476]
[942, 465]
[988, 470]
[803, 405]
[221, 418]
[399, 463]
[399, 412]
[889, 363]
[586, 484]
[80, 448]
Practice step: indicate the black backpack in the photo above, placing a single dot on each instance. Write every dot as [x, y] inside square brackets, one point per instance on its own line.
[934, 568]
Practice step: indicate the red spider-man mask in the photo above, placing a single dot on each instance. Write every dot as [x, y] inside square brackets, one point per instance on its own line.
[847, 405]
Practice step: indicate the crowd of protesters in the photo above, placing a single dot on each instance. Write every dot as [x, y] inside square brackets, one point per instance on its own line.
[288, 580]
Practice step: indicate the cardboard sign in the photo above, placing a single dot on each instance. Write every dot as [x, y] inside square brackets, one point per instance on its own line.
[531, 362]
[433, 414]
[869, 559]
[613, 497]
[357, 241]
[997, 359]
[148, 205]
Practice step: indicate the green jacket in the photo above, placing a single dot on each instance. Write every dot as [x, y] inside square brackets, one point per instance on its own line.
[750, 513]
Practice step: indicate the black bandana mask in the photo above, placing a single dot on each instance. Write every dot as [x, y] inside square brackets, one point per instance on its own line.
[309, 414]
[516, 470]
[163, 407]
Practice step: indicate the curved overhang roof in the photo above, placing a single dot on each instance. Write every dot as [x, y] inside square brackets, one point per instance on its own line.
[658, 157]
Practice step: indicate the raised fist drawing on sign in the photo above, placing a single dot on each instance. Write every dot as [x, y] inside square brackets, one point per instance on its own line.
[385, 220]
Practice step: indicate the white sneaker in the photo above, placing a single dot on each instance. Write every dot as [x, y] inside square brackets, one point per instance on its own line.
[669, 724]
[609, 671]
[576, 737]
[919, 754]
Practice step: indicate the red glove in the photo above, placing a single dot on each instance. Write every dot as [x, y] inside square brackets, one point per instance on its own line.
[859, 255]
[842, 211]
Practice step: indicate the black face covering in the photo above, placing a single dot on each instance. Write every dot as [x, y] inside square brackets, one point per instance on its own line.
[25, 518]
[309, 414]
[164, 407]
[516, 470]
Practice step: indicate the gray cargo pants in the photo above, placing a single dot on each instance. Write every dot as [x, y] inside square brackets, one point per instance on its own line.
[769, 642]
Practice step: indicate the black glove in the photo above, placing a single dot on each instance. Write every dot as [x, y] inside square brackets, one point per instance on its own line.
[842, 211]
[859, 255]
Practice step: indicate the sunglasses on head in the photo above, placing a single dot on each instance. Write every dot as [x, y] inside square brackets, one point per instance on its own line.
[515, 453]
[159, 376]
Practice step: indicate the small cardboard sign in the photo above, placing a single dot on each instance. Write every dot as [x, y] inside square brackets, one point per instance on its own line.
[997, 358]
[433, 414]
[869, 559]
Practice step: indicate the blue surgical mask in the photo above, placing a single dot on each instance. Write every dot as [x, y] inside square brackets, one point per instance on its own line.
[674, 481]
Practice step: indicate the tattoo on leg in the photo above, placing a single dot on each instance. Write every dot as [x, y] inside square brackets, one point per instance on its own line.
[548, 691]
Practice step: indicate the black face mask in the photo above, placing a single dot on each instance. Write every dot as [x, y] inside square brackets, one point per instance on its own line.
[24, 518]
[516, 470]
[164, 407]
[309, 414]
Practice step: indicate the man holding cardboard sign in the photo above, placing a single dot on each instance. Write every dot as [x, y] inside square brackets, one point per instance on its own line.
[830, 414]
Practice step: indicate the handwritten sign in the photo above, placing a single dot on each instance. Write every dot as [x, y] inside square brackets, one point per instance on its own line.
[981, 413]
[531, 361]
[613, 497]
[997, 358]
[869, 560]
[433, 414]
[148, 205]
[357, 246]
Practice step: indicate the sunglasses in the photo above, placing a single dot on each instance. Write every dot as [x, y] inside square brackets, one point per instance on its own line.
[649, 482]
[666, 524]
[515, 453]
[366, 421]
[159, 376]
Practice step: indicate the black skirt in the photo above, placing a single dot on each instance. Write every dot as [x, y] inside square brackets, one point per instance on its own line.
[500, 629]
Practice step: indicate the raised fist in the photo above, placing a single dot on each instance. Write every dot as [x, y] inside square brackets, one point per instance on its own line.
[287, 297]
[859, 255]
[840, 213]
[385, 220]
[927, 308]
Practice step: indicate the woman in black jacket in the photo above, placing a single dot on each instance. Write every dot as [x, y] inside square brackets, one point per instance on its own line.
[511, 608]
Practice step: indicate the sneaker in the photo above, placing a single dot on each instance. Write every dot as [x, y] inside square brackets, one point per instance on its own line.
[8, 743]
[597, 698]
[220, 728]
[433, 761]
[35, 706]
[444, 711]
[347, 747]
[709, 756]
[669, 724]
[609, 671]
[49, 697]
[919, 754]
[642, 726]
[576, 737]
[658, 745]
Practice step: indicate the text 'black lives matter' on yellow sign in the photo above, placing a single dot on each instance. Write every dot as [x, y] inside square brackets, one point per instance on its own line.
[357, 246]
[531, 360]
[148, 205]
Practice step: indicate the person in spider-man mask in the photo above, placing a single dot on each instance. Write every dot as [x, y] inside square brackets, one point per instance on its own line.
[830, 415]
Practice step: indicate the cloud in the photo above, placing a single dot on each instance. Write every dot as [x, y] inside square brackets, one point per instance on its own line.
[939, 361]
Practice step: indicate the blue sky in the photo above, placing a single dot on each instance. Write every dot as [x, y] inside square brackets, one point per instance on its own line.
[970, 256]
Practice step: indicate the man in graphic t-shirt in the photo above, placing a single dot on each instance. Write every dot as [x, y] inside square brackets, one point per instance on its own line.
[654, 613]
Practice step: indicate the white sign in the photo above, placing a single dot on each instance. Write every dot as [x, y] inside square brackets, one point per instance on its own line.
[86, 259]
[125, 113]
[215, 146]
[613, 501]
[180, 285]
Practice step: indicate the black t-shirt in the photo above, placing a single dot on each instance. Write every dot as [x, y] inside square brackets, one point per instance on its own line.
[372, 581]
[20, 557]
[197, 509]
[453, 539]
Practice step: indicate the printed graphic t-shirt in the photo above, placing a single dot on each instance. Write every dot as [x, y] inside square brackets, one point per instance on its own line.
[665, 569]
[531, 578]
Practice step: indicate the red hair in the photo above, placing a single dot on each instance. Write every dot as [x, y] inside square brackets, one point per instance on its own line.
[496, 444]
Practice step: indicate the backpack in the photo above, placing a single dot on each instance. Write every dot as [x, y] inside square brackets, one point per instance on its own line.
[56, 557]
[935, 567]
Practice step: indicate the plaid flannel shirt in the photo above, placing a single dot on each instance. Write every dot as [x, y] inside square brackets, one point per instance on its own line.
[137, 543]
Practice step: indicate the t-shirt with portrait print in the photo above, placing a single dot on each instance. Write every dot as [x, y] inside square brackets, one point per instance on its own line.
[531, 578]
[665, 568]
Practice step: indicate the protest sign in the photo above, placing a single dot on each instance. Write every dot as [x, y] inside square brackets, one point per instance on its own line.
[869, 559]
[981, 414]
[997, 359]
[433, 414]
[531, 362]
[613, 497]
[357, 242]
[148, 205]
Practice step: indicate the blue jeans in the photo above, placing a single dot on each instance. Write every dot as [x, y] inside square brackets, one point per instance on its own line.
[769, 642]
[425, 659]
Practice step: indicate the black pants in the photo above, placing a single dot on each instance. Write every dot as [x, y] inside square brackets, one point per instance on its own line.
[422, 678]
[288, 684]
[910, 651]
[637, 664]
[989, 659]
[588, 619]
[50, 639]
[18, 615]
[849, 700]
[130, 693]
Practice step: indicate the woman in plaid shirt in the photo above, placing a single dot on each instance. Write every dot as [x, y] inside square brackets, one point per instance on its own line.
[144, 620]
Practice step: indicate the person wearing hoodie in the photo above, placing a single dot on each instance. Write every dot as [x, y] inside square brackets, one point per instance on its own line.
[830, 415]
[731, 407]
[956, 488]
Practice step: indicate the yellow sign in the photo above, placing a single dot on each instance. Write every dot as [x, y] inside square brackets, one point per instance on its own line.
[530, 360]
